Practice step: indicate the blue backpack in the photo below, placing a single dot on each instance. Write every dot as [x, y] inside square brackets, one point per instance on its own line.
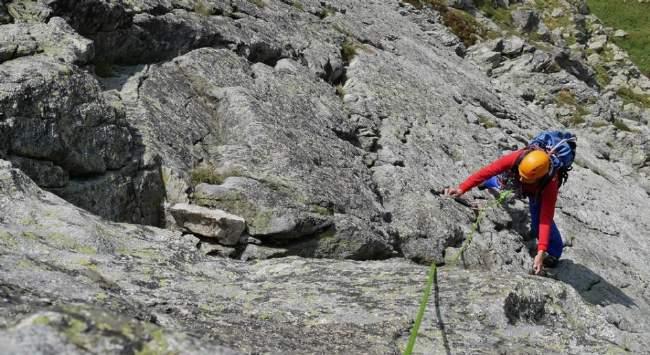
[561, 147]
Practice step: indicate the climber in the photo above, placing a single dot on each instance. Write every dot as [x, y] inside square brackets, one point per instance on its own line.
[530, 172]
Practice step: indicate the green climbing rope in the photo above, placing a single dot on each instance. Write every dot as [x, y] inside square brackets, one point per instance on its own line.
[503, 195]
[432, 277]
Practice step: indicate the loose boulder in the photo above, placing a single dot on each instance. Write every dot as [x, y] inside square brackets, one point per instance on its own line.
[210, 223]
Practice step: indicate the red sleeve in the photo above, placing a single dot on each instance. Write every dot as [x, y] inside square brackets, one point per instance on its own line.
[498, 166]
[549, 198]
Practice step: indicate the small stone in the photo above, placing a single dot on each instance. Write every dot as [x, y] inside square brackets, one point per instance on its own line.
[513, 47]
[557, 12]
[210, 223]
[598, 42]
[620, 34]
[593, 59]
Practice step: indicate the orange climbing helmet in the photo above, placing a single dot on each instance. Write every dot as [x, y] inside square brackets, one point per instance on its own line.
[534, 165]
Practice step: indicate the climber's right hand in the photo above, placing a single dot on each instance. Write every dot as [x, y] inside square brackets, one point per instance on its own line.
[453, 192]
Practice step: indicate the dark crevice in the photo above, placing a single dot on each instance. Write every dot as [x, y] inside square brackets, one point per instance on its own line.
[404, 138]
[347, 136]
[335, 76]
[592, 284]
[261, 52]
[497, 111]
[380, 198]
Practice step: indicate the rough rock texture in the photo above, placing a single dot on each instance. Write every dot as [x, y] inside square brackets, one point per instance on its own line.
[331, 128]
[87, 284]
[58, 125]
[224, 227]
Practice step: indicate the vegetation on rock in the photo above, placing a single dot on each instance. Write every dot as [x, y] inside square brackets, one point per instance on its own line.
[632, 17]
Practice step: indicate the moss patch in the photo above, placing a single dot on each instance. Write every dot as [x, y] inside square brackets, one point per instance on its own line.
[620, 125]
[486, 122]
[500, 16]
[565, 98]
[258, 3]
[340, 91]
[298, 5]
[61, 240]
[210, 175]
[349, 50]
[461, 23]
[202, 7]
[630, 96]
[157, 345]
[602, 75]
[464, 26]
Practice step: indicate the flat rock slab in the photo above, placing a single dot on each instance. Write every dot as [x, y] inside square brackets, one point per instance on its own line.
[210, 223]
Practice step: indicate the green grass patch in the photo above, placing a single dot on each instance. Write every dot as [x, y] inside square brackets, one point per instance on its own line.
[349, 49]
[325, 12]
[298, 5]
[464, 26]
[630, 96]
[578, 117]
[501, 16]
[461, 23]
[486, 122]
[565, 97]
[602, 75]
[340, 91]
[632, 17]
[621, 126]
[203, 8]
[210, 175]
[258, 3]
[600, 124]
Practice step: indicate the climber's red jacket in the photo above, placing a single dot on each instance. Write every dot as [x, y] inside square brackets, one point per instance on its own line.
[548, 195]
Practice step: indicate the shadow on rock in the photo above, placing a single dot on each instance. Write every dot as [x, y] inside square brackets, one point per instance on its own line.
[592, 287]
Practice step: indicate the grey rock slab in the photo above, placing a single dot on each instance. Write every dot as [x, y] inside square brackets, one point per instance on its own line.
[259, 252]
[253, 120]
[55, 39]
[76, 329]
[79, 133]
[55, 113]
[269, 210]
[211, 223]
[25, 11]
[44, 173]
[102, 286]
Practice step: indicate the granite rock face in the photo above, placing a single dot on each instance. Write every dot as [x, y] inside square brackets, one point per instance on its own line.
[331, 128]
[87, 284]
